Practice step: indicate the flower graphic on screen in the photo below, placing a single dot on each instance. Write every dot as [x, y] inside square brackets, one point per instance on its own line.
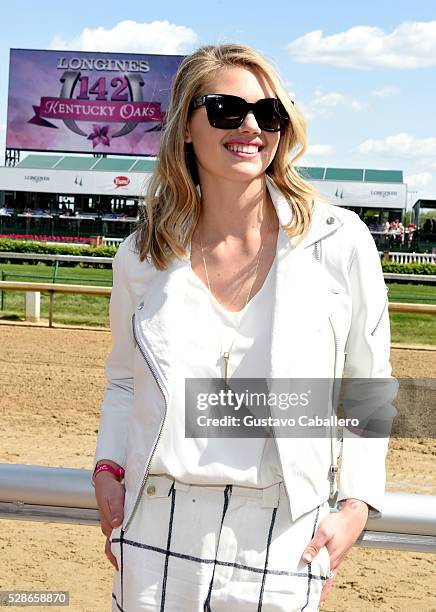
[99, 135]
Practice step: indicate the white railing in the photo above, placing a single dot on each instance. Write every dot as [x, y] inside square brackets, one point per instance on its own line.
[411, 257]
[66, 495]
[33, 291]
[53, 257]
[115, 242]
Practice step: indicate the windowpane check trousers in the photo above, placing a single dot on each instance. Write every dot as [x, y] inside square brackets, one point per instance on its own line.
[216, 548]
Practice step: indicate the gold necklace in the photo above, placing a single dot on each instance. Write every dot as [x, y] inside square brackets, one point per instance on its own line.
[226, 354]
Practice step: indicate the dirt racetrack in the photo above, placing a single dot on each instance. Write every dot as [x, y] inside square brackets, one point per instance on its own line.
[51, 387]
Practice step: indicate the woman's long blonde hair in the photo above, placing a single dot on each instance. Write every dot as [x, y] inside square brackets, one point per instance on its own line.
[172, 202]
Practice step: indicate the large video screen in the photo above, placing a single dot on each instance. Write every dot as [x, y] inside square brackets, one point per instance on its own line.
[86, 102]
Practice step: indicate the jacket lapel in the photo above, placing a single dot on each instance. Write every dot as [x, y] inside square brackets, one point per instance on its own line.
[299, 315]
[301, 335]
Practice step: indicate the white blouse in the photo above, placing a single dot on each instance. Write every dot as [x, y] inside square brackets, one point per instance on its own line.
[207, 330]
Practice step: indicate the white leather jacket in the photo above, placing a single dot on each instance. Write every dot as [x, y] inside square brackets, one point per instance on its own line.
[330, 318]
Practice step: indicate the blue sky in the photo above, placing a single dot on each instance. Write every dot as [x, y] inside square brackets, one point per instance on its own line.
[362, 73]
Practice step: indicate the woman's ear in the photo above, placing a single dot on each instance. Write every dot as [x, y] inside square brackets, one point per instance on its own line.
[188, 137]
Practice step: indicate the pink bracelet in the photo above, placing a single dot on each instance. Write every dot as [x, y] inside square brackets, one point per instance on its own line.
[107, 467]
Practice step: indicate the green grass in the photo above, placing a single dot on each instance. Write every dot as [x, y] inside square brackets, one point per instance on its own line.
[94, 310]
[67, 309]
[409, 328]
[416, 294]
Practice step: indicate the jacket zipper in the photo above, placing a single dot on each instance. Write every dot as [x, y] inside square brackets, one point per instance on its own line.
[381, 315]
[153, 371]
[281, 466]
[317, 250]
[333, 469]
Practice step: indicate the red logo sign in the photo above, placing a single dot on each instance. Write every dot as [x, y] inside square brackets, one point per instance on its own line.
[121, 181]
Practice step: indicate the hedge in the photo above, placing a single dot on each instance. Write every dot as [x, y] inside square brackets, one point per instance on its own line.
[24, 246]
[409, 268]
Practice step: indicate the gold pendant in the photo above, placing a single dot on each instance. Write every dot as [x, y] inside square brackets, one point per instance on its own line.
[226, 356]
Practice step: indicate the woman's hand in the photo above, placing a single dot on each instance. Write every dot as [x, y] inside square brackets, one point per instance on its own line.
[109, 493]
[338, 532]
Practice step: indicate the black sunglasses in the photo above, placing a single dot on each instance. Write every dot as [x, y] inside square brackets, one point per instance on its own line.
[227, 112]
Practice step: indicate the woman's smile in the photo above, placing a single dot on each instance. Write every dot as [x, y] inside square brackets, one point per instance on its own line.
[245, 150]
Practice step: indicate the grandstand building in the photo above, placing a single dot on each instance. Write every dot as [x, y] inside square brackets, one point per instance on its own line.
[58, 194]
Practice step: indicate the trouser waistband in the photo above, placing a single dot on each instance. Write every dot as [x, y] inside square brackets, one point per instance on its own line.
[269, 495]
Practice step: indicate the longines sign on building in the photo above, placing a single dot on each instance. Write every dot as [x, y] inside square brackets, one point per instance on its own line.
[85, 102]
[128, 184]
[354, 193]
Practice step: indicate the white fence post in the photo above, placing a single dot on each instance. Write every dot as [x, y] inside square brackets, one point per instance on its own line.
[32, 304]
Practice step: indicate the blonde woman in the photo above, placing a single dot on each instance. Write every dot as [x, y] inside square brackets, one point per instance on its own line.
[238, 270]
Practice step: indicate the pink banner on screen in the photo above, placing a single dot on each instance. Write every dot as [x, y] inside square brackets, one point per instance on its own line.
[89, 110]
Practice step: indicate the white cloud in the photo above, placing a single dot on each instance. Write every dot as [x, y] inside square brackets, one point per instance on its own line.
[325, 104]
[330, 100]
[358, 106]
[385, 92]
[411, 45]
[401, 145]
[319, 149]
[132, 37]
[419, 180]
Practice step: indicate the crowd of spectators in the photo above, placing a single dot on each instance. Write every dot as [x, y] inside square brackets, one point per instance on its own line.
[67, 213]
[395, 232]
